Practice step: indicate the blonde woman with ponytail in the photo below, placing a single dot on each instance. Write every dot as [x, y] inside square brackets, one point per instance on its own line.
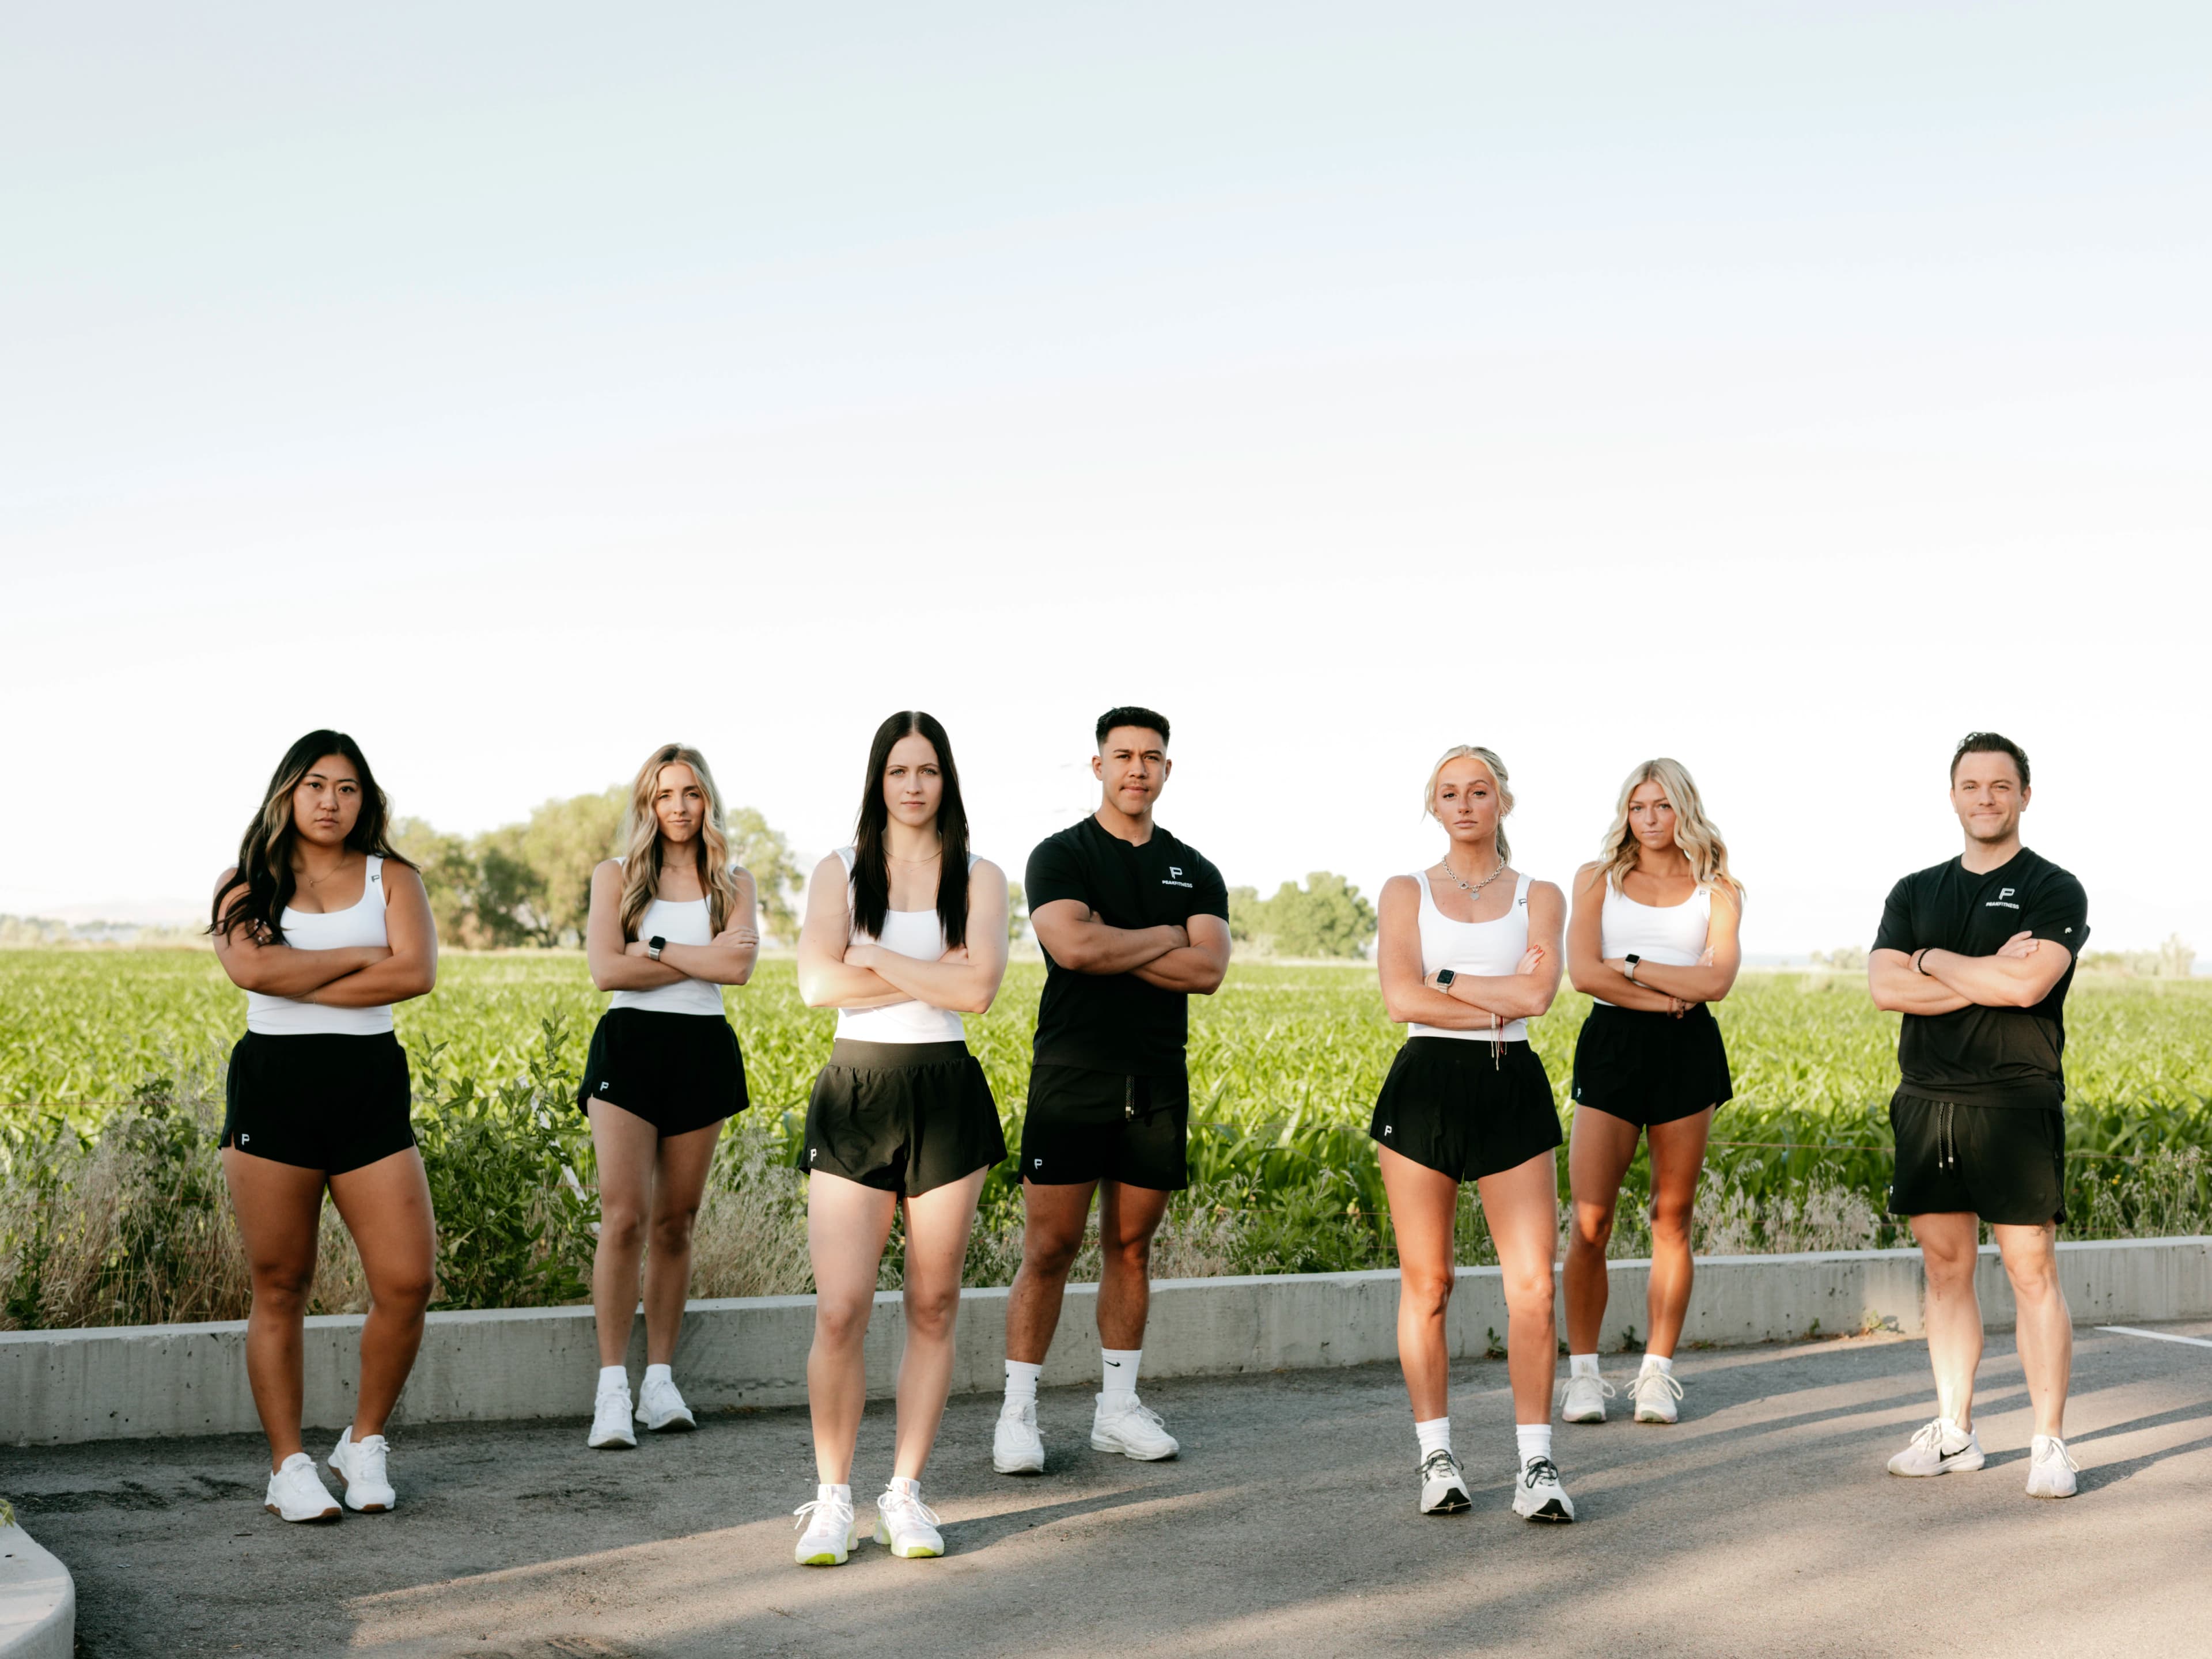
[672, 921]
[1653, 942]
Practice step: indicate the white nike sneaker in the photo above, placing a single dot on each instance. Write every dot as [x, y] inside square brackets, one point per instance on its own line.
[2051, 1468]
[360, 1464]
[1655, 1393]
[904, 1524]
[1940, 1447]
[1584, 1400]
[1537, 1495]
[1444, 1485]
[1130, 1428]
[660, 1407]
[828, 1537]
[1016, 1448]
[296, 1493]
[611, 1418]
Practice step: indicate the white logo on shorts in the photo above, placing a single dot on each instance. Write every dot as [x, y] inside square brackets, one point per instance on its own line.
[1386, 1129]
[604, 1087]
[243, 1137]
[1037, 1163]
[813, 1152]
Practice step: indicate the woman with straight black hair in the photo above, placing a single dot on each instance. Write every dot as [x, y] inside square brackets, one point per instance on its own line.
[671, 922]
[905, 931]
[324, 926]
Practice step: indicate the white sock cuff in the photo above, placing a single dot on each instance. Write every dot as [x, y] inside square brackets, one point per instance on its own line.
[1118, 1369]
[660, 1373]
[1435, 1435]
[1581, 1365]
[1022, 1379]
[826, 1493]
[609, 1375]
[1661, 1363]
[1532, 1440]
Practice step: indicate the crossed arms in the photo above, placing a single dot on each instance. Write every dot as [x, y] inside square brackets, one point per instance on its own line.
[838, 971]
[620, 965]
[352, 976]
[1191, 959]
[2020, 975]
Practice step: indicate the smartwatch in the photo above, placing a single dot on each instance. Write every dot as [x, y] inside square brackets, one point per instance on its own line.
[1633, 959]
[1444, 978]
[654, 946]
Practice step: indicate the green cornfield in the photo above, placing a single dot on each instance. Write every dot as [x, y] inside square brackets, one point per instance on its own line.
[1285, 1064]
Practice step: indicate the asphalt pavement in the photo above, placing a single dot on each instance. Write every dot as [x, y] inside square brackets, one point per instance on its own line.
[1764, 1523]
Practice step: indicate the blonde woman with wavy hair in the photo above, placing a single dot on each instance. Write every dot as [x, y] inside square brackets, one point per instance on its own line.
[1468, 953]
[1654, 943]
[672, 921]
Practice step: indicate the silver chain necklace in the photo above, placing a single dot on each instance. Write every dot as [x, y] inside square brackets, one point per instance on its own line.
[1471, 887]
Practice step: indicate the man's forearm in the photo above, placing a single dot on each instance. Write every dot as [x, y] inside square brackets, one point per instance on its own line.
[1901, 990]
[1187, 967]
[1099, 949]
[1991, 982]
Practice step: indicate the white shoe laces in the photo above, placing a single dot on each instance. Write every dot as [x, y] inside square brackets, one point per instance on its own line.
[366, 1458]
[1019, 1411]
[1665, 1379]
[2055, 1450]
[1929, 1435]
[1144, 1414]
[826, 1513]
[905, 1504]
[1441, 1464]
[1605, 1389]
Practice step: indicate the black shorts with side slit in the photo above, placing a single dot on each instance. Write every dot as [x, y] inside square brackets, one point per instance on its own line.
[333, 1101]
[1466, 1109]
[1645, 1067]
[677, 1071]
[901, 1117]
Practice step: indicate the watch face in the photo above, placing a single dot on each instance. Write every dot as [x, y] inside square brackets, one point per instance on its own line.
[1445, 976]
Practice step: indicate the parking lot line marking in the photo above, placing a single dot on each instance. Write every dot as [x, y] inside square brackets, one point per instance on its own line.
[2158, 1336]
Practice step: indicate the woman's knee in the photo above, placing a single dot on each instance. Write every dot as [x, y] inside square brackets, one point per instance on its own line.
[405, 1293]
[622, 1225]
[1426, 1292]
[930, 1310]
[1593, 1226]
[282, 1286]
[840, 1322]
[672, 1231]
[1670, 1225]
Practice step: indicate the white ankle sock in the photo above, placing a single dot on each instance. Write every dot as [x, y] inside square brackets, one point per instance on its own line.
[1021, 1381]
[1533, 1440]
[1435, 1435]
[613, 1376]
[1663, 1363]
[901, 1483]
[1581, 1365]
[1118, 1369]
[826, 1493]
[657, 1374]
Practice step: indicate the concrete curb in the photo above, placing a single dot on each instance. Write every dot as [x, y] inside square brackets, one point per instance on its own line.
[57, 1387]
[38, 1601]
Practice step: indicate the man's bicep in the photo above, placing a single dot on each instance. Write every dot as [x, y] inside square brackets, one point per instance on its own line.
[1058, 920]
[1052, 874]
[1209, 934]
[2044, 969]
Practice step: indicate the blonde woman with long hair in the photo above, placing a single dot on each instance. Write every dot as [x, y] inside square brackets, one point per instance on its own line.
[1468, 953]
[672, 921]
[1653, 942]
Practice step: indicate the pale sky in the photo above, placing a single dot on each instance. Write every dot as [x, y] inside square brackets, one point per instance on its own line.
[1788, 389]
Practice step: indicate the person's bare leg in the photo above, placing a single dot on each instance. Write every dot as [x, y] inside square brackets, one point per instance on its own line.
[679, 1181]
[626, 1147]
[1521, 1205]
[847, 1225]
[1948, 1243]
[1598, 1157]
[1678, 1158]
[279, 1210]
[385, 1206]
[1054, 1219]
[1127, 1217]
[2045, 1330]
[1423, 1205]
[937, 1223]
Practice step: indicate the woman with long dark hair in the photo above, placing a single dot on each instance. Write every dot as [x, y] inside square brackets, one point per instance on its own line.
[905, 931]
[324, 927]
[671, 922]
[1653, 942]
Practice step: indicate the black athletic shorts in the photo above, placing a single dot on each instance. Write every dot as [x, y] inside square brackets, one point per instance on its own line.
[1106, 1126]
[2005, 1163]
[318, 1100]
[901, 1117]
[677, 1071]
[1645, 1067]
[1465, 1110]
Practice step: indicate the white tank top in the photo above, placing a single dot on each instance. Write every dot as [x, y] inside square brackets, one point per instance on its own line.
[680, 921]
[327, 930]
[1672, 935]
[1485, 949]
[915, 933]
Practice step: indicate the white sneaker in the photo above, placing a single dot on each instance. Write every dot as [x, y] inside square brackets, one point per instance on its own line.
[1655, 1393]
[904, 1524]
[296, 1493]
[1130, 1428]
[360, 1464]
[660, 1407]
[1537, 1495]
[829, 1537]
[1016, 1448]
[1585, 1401]
[1444, 1485]
[2051, 1468]
[611, 1417]
[1940, 1448]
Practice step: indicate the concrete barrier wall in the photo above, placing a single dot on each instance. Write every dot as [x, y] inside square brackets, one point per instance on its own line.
[62, 1386]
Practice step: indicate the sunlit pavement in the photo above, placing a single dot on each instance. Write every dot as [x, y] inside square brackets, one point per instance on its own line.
[1763, 1524]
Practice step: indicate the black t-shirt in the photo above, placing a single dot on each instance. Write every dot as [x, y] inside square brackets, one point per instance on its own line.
[1974, 1056]
[1115, 1022]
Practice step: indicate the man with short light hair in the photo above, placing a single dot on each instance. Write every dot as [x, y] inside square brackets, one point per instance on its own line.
[1977, 953]
[1133, 922]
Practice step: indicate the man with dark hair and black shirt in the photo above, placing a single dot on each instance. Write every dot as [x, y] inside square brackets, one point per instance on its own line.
[1977, 954]
[1132, 922]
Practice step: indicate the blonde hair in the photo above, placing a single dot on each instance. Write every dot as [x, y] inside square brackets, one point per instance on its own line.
[1496, 767]
[644, 843]
[1698, 836]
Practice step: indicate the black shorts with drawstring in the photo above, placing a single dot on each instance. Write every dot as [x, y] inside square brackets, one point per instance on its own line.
[2006, 1165]
[1083, 1126]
